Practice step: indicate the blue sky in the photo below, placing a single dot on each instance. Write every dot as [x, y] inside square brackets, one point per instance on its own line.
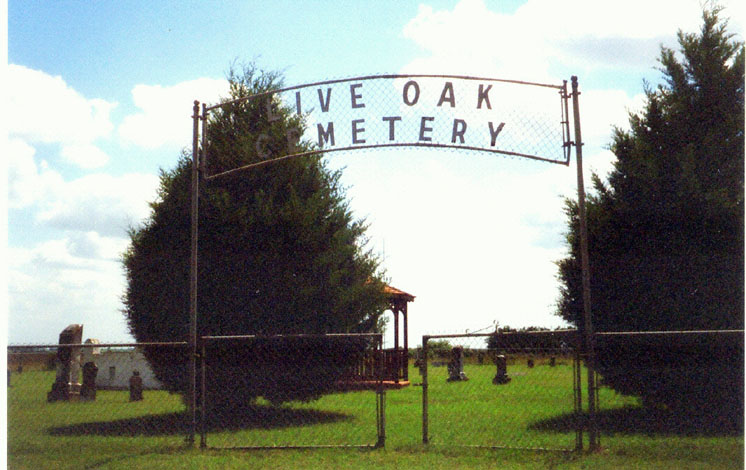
[100, 95]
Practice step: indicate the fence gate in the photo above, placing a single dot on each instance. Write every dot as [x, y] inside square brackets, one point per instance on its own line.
[434, 112]
[502, 390]
[292, 391]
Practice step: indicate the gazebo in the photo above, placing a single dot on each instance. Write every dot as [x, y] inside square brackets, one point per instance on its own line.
[397, 358]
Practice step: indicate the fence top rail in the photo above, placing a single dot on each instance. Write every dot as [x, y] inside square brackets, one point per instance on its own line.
[506, 333]
[669, 333]
[293, 336]
[97, 345]
[570, 332]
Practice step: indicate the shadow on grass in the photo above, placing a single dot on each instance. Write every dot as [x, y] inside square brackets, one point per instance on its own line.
[254, 417]
[638, 420]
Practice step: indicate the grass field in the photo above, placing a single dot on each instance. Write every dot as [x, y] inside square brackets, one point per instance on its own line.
[533, 410]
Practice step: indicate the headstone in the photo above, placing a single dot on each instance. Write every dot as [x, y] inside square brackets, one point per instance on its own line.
[135, 386]
[456, 365]
[66, 386]
[530, 363]
[88, 389]
[501, 375]
[419, 364]
[93, 351]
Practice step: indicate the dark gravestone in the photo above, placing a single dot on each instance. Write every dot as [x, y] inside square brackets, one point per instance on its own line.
[419, 363]
[88, 389]
[456, 365]
[66, 385]
[501, 375]
[135, 386]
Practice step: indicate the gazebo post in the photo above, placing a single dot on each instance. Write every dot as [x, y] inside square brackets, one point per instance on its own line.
[405, 362]
[396, 339]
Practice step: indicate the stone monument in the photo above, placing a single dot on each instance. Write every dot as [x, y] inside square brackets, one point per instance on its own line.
[88, 389]
[135, 386]
[501, 375]
[456, 365]
[66, 386]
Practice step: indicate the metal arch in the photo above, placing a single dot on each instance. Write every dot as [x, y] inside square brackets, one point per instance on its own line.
[564, 121]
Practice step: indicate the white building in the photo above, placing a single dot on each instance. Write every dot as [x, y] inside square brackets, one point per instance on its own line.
[115, 367]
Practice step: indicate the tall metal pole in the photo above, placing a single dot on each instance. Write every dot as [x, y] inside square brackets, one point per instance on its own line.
[380, 395]
[586, 276]
[193, 277]
[423, 361]
[203, 396]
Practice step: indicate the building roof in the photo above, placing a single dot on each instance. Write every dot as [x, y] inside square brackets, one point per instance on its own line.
[396, 294]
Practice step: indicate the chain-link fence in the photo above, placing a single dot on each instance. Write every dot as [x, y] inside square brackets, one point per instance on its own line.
[279, 391]
[293, 391]
[674, 383]
[512, 390]
[91, 396]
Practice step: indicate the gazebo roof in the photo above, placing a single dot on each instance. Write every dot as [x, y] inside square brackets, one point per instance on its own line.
[395, 294]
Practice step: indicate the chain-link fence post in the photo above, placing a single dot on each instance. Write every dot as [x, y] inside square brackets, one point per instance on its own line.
[423, 362]
[203, 396]
[578, 392]
[192, 392]
[380, 396]
[586, 276]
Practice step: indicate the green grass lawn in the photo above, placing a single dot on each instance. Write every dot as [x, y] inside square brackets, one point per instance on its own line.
[533, 410]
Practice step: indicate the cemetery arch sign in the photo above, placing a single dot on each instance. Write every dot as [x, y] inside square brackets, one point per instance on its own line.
[446, 112]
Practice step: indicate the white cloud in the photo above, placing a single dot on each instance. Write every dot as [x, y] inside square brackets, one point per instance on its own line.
[85, 156]
[77, 278]
[103, 203]
[28, 182]
[165, 113]
[601, 110]
[64, 281]
[588, 18]
[46, 109]
[22, 173]
[576, 34]
[474, 40]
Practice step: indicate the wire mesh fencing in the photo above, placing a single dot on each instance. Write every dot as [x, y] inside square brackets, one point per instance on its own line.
[671, 382]
[91, 396]
[506, 390]
[254, 392]
[289, 391]
[262, 123]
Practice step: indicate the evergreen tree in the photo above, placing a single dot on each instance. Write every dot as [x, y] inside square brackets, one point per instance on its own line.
[666, 232]
[279, 253]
